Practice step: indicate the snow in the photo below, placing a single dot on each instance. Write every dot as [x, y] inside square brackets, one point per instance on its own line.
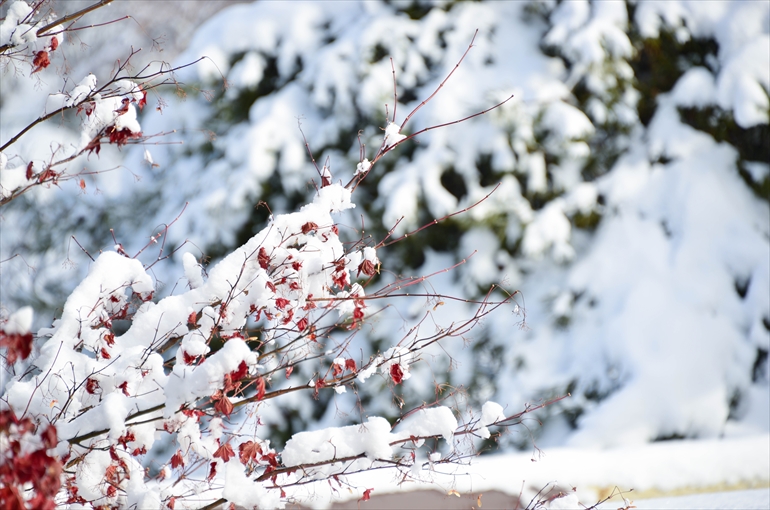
[550, 229]
[241, 490]
[192, 270]
[660, 468]
[371, 438]
[695, 88]
[370, 370]
[13, 32]
[363, 167]
[654, 316]
[741, 30]
[757, 499]
[19, 322]
[12, 178]
[392, 135]
[429, 422]
[491, 412]
[567, 121]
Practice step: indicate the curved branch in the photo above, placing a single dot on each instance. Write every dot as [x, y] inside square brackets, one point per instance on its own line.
[70, 17]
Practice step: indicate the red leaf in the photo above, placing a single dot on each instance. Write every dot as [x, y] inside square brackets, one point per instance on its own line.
[110, 338]
[350, 364]
[49, 437]
[260, 388]
[124, 108]
[171, 502]
[225, 452]
[396, 373]
[54, 43]
[340, 279]
[289, 370]
[188, 359]
[223, 405]
[367, 495]
[30, 172]
[121, 137]
[243, 371]
[197, 413]
[41, 61]
[11, 498]
[105, 353]
[337, 370]
[302, 324]
[124, 386]
[19, 345]
[248, 451]
[93, 145]
[366, 267]
[263, 258]
[309, 227]
[281, 303]
[126, 438]
[270, 285]
[270, 458]
[212, 471]
[142, 102]
[92, 385]
[177, 459]
[319, 383]
[297, 265]
[192, 321]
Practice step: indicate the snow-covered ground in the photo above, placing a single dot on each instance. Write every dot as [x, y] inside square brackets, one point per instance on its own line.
[682, 474]
[757, 499]
[753, 499]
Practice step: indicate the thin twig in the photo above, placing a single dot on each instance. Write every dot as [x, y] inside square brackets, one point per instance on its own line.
[69, 17]
[436, 221]
[457, 65]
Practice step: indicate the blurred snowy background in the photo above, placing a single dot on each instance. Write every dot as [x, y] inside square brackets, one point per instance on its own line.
[632, 212]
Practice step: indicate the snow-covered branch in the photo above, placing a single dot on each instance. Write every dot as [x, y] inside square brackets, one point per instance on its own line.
[121, 377]
[108, 111]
